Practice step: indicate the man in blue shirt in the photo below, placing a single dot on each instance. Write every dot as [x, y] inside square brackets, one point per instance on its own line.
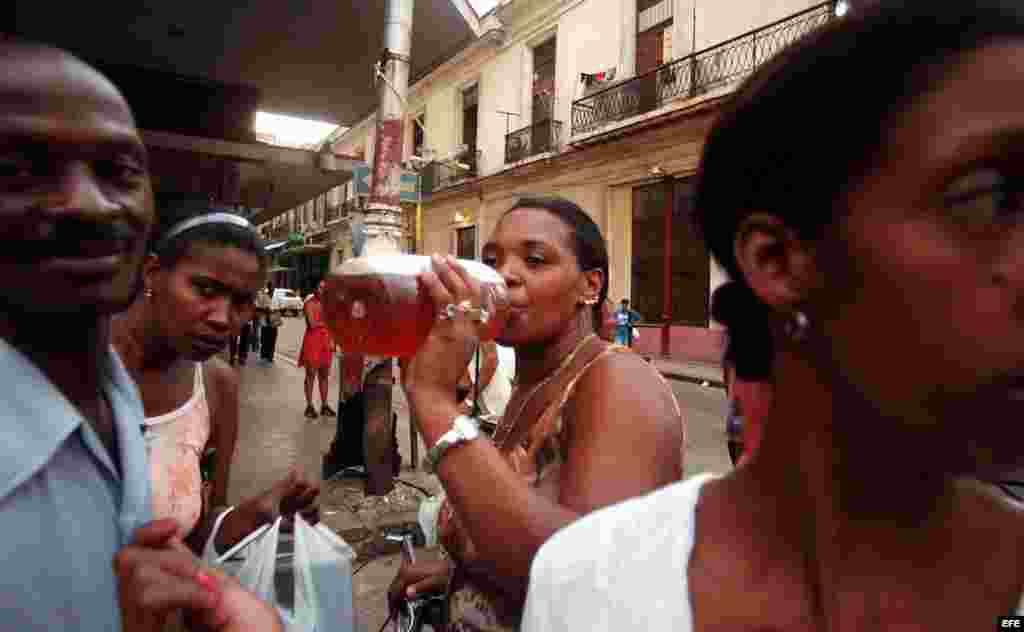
[625, 320]
[75, 211]
[76, 208]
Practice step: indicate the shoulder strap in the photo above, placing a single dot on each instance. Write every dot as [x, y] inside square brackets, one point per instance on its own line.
[557, 392]
[198, 388]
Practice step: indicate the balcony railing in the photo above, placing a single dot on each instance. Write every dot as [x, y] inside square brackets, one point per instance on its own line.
[439, 175]
[695, 74]
[532, 140]
[340, 211]
[450, 174]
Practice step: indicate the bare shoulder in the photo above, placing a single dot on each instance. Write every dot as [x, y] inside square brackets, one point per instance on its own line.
[221, 383]
[623, 384]
[624, 376]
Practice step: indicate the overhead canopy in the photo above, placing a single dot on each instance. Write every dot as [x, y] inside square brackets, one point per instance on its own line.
[195, 72]
[313, 59]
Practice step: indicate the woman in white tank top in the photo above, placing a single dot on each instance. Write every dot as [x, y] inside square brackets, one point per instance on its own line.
[201, 280]
[864, 192]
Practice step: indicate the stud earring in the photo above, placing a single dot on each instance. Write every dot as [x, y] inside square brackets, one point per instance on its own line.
[148, 293]
[797, 326]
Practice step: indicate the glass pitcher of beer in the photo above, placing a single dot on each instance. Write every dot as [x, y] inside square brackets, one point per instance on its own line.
[377, 306]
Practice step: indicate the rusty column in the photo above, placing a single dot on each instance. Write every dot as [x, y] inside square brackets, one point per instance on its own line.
[385, 228]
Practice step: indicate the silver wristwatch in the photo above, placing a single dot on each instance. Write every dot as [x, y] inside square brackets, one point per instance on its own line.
[464, 428]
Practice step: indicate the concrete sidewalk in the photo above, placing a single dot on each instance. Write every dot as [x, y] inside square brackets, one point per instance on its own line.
[690, 371]
[274, 436]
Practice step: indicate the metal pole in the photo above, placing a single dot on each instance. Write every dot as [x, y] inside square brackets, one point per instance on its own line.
[385, 230]
[384, 226]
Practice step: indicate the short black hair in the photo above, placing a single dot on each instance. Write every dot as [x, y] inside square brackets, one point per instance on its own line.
[173, 209]
[588, 243]
[814, 119]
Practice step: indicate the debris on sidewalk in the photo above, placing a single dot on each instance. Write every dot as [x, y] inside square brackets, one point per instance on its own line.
[363, 520]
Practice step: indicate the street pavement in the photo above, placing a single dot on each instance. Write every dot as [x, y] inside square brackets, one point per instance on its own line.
[275, 436]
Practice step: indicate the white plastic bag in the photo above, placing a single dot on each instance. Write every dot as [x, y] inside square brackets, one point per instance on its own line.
[320, 573]
[323, 579]
[257, 571]
[427, 516]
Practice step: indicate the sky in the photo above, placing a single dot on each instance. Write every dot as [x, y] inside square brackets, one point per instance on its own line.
[291, 131]
[482, 6]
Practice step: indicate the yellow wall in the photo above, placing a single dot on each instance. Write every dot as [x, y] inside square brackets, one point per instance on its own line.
[500, 90]
[600, 179]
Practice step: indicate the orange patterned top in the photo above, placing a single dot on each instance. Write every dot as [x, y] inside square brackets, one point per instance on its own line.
[537, 457]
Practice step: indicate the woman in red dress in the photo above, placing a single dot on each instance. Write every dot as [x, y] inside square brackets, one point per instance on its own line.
[317, 353]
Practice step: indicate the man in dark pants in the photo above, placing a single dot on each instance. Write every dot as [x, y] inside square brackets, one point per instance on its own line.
[272, 320]
[348, 449]
[240, 346]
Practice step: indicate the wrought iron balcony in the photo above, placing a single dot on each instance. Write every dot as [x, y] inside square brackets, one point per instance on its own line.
[439, 175]
[531, 140]
[451, 174]
[695, 74]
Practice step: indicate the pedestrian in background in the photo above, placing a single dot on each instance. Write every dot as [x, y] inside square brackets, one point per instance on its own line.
[239, 346]
[625, 320]
[245, 341]
[271, 320]
[317, 354]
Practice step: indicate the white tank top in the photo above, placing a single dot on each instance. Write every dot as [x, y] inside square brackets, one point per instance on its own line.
[499, 390]
[174, 442]
[621, 568]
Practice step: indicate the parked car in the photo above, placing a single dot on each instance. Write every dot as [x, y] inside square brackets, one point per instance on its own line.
[287, 301]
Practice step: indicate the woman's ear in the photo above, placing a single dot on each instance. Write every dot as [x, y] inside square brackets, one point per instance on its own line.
[776, 264]
[592, 282]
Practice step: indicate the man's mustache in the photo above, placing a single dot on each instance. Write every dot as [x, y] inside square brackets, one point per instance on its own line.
[38, 239]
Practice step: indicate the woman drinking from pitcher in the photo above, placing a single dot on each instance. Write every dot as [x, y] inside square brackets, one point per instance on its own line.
[588, 424]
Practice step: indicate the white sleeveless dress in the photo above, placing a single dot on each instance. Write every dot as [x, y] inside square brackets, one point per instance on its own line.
[621, 568]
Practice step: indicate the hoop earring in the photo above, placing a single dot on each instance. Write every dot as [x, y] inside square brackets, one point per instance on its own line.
[797, 326]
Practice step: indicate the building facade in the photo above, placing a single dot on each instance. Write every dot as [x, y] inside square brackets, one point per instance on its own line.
[606, 103]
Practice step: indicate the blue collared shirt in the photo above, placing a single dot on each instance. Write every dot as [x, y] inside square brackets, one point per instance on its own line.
[65, 510]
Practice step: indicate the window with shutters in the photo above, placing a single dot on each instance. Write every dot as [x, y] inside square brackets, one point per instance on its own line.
[470, 109]
[687, 258]
[465, 242]
[654, 24]
[418, 137]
